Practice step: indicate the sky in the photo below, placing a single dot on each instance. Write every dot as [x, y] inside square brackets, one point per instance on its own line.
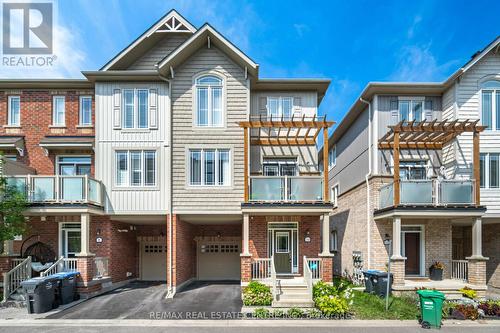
[349, 42]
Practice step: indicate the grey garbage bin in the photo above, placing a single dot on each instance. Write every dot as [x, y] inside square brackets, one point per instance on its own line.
[368, 277]
[40, 293]
[380, 283]
[66, 288]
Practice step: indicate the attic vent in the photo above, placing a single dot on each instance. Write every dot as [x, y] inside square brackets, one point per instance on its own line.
[174, 25]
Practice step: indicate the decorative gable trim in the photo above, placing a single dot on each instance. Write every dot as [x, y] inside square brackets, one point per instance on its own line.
[172, 22]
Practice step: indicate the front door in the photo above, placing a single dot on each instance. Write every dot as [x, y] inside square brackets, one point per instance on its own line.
[282, 252]
[412, 253]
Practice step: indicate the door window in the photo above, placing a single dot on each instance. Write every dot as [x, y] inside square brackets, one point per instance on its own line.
[282, 167]
[74, 165]
[413, 170]
[282, 242]
[71, 239]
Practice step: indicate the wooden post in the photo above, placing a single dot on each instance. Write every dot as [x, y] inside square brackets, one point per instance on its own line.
[476, 167]
[245, 162]
[396, 168]
[326, 196]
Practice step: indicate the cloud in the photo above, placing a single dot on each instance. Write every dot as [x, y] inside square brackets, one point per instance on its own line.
[417, 63]
[301, 28]
[69, 58]
[411, 30]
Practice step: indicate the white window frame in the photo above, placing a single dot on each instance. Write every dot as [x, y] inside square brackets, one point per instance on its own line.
[495, 91]
[202, 170]
[487, 181]
[135, 109]
[80, 113]
[128, 177]
[279, 100]
[279, 234]
[210, 111]
[334, 195]
[54, 111]
[334, 240]
[10, 111]
[411, 102]
[332, 157]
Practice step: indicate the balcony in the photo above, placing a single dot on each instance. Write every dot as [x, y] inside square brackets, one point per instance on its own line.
[430, 192]
[59, 189]
[286, 189]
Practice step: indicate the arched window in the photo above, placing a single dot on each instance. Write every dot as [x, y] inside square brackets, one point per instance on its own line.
[490, 104]
[209, 104]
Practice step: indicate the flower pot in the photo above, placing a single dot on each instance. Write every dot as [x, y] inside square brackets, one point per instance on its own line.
[436, 274]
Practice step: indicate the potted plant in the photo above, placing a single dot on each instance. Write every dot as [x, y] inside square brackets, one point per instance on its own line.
[436, 271]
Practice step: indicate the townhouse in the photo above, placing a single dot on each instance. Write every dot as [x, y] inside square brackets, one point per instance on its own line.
[174, 162]
[417, 164]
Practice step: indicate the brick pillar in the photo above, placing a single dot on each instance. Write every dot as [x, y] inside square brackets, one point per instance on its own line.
[5, 265]
[327, 269]
[398, 271]
[85, 266]
[246, 268]
[477, 271]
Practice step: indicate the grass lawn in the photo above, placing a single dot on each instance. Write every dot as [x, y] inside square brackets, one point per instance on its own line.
[367, 306]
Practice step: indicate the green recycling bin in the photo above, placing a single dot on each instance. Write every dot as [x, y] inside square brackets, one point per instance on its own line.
[431, 304]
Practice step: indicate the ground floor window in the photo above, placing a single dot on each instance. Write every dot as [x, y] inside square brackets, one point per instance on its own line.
[71, 235]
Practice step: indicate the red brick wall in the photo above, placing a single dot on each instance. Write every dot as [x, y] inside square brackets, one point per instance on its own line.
[258, 235]
[184, 251]
[36, 117]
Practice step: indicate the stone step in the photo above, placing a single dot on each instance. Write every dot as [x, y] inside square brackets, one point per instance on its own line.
[293, 297]
[292, 304]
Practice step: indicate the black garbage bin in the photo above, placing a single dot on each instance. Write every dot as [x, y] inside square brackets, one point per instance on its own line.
[66, 288]
[40, 293]
[380, 283]
[368, 277]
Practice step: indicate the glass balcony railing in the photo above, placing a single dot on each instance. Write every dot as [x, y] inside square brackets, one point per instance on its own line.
[59, 189]
[287, 188]
[429, 192]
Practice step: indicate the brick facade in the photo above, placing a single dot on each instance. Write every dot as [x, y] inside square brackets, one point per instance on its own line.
[36, 121]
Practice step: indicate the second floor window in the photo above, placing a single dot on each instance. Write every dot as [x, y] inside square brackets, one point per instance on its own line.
[413, 170]
[135, 168]
[332, 157]
[135, 108]
[334, 195]
[209, 167]
[14, 115]
[489, 170]
[209, 103]
[58, 111]
[85, 110]
[280, 167]
[410, 110]
[490, 105]
[280, 107]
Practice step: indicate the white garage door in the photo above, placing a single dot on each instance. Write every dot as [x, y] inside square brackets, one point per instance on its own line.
[219, 260]
[153, 261]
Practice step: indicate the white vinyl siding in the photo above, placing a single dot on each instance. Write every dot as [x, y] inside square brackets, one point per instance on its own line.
[85, 111]
[135, 168]
[58, 111]
[14, 114]
[209, 101]
[209, 167]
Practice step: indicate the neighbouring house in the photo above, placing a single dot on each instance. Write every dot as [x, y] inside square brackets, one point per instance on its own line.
[418, 164]
[174, 162]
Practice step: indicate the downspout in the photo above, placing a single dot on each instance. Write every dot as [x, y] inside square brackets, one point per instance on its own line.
[367, 180]
[170, 291]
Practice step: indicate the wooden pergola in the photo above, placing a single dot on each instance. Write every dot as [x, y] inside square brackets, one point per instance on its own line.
[280, 131]
[430, 135]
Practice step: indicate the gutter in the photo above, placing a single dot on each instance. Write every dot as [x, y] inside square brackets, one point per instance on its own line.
[367, 180]
[170, 290]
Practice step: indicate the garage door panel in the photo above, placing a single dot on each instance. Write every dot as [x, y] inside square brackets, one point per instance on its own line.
[153, 261]
[219, 261]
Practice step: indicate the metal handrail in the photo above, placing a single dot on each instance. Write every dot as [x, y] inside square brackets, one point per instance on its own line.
[13, 278]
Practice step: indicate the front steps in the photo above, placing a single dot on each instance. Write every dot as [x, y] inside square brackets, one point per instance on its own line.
[292, 293]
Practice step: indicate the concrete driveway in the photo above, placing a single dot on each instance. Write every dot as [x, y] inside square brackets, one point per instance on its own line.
[146, 300]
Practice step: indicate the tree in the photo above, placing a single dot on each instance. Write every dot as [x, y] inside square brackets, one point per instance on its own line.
[12, 204]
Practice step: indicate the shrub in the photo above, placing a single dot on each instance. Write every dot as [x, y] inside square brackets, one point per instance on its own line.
[490, 308]
[278, 313]
[448, 308]
[437, 265]
[257, 294]
[295, 313]
[463, 311]
[333, 299]
[332, 305]
[313, 313]
[469, 293]
[262, 313]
